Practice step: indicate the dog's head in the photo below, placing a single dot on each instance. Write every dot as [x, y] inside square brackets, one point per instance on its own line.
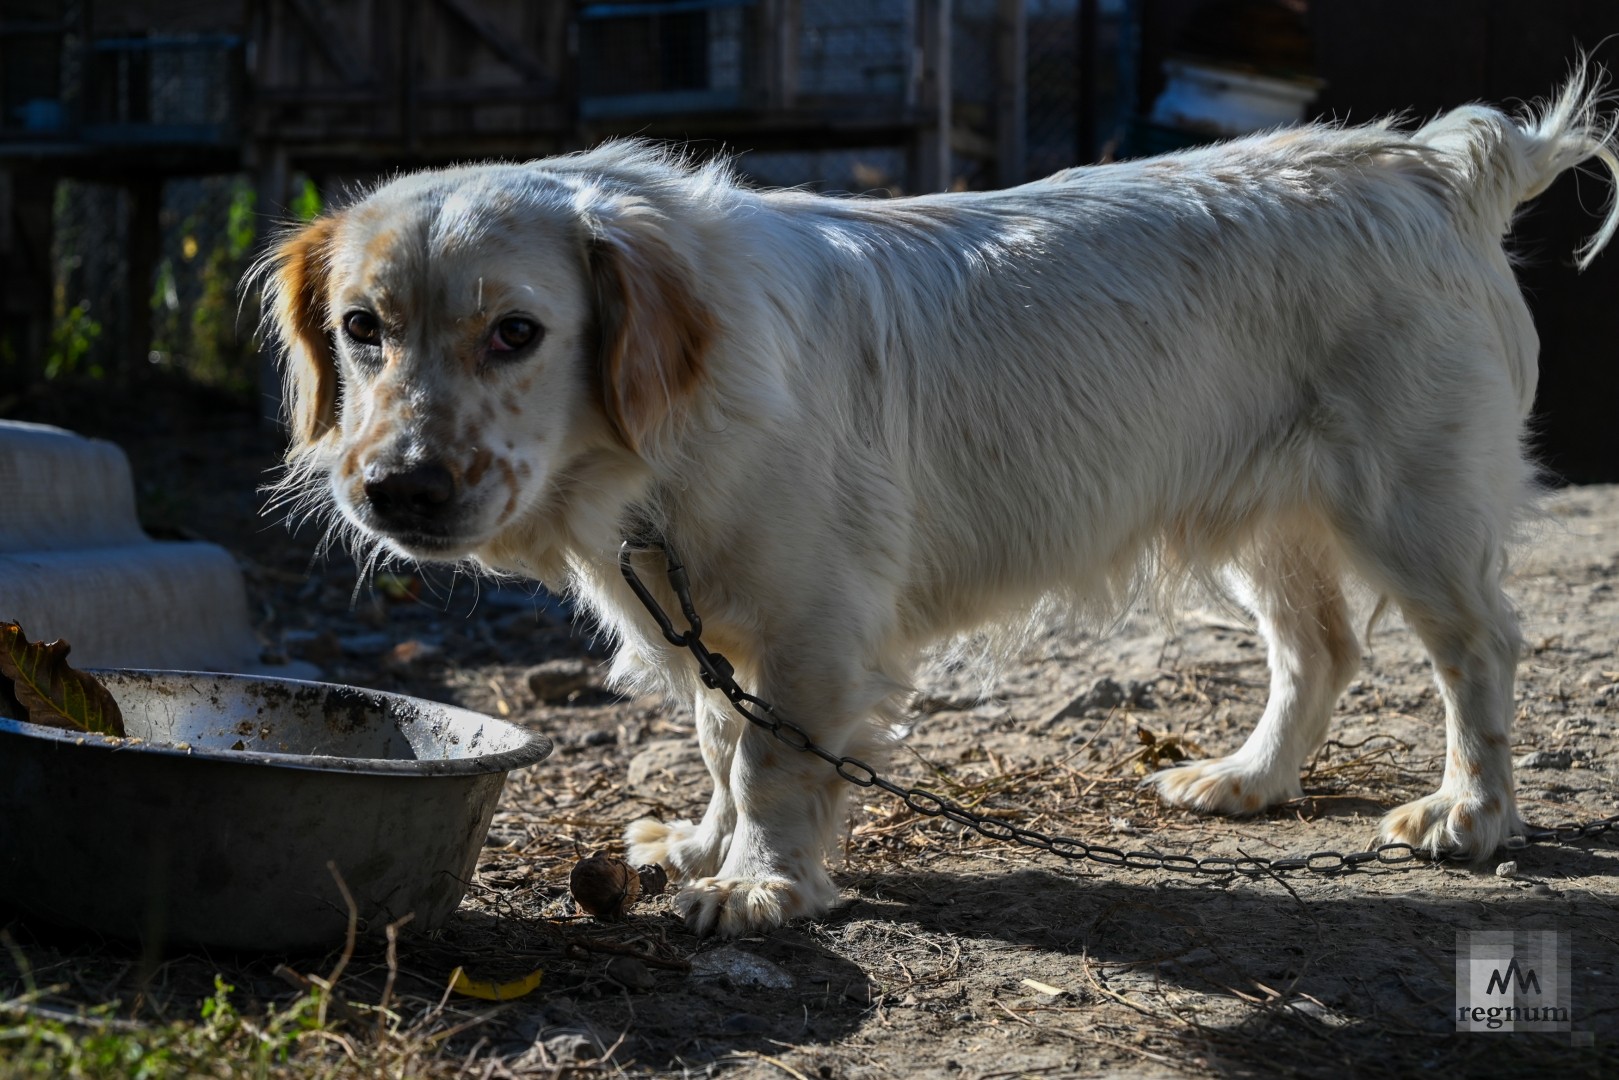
[455, 342]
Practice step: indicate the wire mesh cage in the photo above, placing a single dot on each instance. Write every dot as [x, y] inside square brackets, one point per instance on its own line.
[1053, 74]
[854, 51]
[164, 87]
[677, 56]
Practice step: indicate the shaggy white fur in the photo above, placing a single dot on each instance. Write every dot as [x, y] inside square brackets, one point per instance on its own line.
[871, 425]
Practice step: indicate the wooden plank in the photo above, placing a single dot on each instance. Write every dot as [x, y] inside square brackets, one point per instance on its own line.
[1085, 124]
[326, 36]
[497, 41]
[271, 180]
[515, 94]
[932, 151]
[788, 32]
[774, 45]
[1011, 92]
[140, 266]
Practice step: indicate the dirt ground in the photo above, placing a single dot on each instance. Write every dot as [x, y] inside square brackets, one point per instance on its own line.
[949, 955]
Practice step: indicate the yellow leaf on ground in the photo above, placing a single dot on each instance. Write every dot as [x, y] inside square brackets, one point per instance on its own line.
[493, 991]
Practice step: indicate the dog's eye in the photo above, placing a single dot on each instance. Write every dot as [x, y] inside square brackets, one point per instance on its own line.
[514, 332]
[362, 327]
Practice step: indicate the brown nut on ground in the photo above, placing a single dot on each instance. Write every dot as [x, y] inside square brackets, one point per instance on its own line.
[604, 885]
[654, 879]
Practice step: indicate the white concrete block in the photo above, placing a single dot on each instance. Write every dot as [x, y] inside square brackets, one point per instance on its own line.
[75, 564]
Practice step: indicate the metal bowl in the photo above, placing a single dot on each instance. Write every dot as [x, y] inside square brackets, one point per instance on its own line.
[213, 821]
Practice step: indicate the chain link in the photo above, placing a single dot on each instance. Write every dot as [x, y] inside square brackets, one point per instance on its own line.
[717, 673]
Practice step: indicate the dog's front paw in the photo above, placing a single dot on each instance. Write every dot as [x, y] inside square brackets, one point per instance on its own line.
[685, 850]
[732, 906]
[1466, 826]
[1227, 785]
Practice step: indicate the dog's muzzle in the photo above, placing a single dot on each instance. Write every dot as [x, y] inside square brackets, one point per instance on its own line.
[414, 498]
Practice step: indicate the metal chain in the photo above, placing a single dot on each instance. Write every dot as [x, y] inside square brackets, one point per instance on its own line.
[718, 674]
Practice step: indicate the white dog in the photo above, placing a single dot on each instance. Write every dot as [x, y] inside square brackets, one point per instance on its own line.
[868, 426]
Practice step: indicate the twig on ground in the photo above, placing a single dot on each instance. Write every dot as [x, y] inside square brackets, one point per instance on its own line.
[329, 986]
[754, 1055]
[306, 984]
[393, 968]
[616, 949]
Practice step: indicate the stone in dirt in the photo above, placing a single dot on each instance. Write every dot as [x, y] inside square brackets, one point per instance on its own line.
[741, 969]
[630, 973]
[1545, 759]
[557, 681]
[666, 759]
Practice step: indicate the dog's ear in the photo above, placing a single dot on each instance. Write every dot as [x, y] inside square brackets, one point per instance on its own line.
[654, 328]
[298, 273]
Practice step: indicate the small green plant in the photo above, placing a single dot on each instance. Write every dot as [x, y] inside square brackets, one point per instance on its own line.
[239, 220]
[306, 202]
[95, 1044]
[72, 338]
[195, 304]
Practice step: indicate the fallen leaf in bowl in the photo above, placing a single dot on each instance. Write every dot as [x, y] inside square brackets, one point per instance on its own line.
[44, 689]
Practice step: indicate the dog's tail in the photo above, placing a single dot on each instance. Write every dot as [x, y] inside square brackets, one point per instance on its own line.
[1497, 162]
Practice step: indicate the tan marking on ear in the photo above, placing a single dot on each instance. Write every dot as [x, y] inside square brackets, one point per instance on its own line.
[298, 308]
[480, 465]
[655, 332]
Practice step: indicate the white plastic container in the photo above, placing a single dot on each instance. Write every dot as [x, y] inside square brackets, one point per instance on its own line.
[1223, 101]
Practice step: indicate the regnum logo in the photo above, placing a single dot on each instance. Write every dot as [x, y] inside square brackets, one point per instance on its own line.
[1501, 981]
[1512, 980]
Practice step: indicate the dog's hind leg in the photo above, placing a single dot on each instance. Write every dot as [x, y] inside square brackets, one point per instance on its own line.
[1446, 576]
[1428, 526]
[1291, 583]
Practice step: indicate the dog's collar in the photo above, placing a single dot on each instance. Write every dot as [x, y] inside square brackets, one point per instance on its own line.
[640, 532]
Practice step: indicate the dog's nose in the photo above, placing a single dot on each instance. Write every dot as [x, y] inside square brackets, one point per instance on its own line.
[414, 494]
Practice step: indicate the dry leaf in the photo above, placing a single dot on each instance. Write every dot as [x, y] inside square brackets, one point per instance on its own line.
[1157, 753]
[397, 587]
[1044, 988]
[49, 691]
